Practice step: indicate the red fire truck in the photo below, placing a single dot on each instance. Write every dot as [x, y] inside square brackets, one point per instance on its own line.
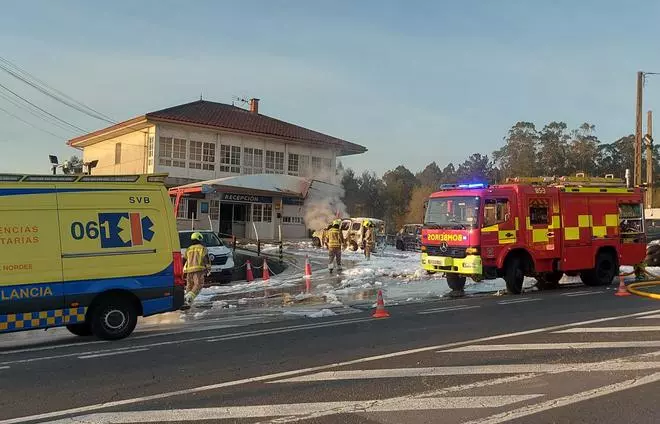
[539, 227]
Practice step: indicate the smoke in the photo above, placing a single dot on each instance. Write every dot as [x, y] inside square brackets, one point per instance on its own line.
[323, 202]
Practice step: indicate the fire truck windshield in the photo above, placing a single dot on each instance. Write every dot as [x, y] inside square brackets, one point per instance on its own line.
[458, 213]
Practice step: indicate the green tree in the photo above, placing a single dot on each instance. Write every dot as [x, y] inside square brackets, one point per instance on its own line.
[518, 155]
[351, 187]
[399, 184]
[416, 209]
[449, 174]
[618, 156]
[477, 168]
[553, 149]
[431, 176]
[372, 195]
[584, 151]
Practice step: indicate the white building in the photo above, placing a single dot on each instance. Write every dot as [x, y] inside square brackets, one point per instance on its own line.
[208, 141]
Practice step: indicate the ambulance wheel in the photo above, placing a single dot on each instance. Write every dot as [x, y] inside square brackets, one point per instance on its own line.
[548, 280]
[113, 317]
[514, 275]
[605, 270]
[400, 246]
[456, 282]
[82, 329]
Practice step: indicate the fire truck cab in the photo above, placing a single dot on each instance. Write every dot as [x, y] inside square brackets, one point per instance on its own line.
[540, 227]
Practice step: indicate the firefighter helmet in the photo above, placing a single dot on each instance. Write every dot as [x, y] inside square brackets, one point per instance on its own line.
[196, 236]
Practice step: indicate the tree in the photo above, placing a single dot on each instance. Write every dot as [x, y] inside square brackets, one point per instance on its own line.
[372, 196]
[584, 151]
[416, 209]
[449, 174]
[616, 157]
[553, 149]
[431, 176]
[399, 184]
[477, 168]
[518, 156]
[351, 187]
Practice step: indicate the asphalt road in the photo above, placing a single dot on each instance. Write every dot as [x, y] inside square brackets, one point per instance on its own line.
[578, 355]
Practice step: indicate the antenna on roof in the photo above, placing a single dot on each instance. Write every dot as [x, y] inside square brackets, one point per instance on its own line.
[239, 100]
[200, 95]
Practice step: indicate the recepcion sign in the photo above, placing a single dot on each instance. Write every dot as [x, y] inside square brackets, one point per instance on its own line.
[247, 198]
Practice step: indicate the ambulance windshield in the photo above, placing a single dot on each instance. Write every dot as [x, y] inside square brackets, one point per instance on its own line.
[456, 213]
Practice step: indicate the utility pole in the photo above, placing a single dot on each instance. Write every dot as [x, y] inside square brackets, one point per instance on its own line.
[638, 131]
[648, 140]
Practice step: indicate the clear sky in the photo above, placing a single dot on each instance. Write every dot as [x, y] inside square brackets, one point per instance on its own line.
[414, 81]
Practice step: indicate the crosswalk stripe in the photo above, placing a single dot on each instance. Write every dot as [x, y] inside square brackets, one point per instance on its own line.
[554, 346]
[470, 370]
[610, 329]
[303, 409]
[447, 309]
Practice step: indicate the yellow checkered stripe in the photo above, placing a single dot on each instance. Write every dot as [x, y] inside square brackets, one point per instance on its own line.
[42, 319]
[503, 236]
[540, 235]
[586, 221]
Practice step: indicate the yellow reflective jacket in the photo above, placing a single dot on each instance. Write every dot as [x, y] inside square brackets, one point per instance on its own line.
[335, 239]
[196, 259]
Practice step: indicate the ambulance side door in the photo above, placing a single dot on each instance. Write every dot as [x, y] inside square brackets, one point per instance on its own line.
[30, 259]
[499, 227]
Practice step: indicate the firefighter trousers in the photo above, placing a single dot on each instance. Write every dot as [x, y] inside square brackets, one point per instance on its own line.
[194, 283]
[334, 254]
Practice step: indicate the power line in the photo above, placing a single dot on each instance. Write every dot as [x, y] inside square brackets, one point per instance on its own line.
[50, 91]
[30, 124]
[43, 110]
[41, 116]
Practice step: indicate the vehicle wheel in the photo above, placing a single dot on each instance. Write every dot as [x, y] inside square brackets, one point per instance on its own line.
[548, 280]
[604, 271]
[81, 329]
[354, 245]
[456, 282]
[113, 318]
[316, 242]
[399, 245]
[430, 272]
[514, 275]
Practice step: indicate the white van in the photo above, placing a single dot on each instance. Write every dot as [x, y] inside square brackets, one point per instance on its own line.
[222, 259]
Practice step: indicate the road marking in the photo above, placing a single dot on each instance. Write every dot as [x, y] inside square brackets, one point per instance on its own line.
[576, 292]
[469, 370]
[567, 400]
[279, 375]
[231, 336]
[303, 409]
[99, 355]
[510, 302]
[657, 316]
[610, 329]
[4, 368]
[583, 294]
[447, 309]
[554, 346]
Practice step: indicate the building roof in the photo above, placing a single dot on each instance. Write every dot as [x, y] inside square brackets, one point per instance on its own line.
[231, 118]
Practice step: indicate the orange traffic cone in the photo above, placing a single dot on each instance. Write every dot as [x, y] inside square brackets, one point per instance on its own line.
[308, 274]
[622, 290]
[266, 274]
[249, 276]
[380, 307]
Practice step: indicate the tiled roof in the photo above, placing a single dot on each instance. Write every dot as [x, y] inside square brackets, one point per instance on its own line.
[223, 116]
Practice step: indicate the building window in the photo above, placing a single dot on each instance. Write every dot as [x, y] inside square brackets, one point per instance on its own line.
[208, 157]
[294, 164]
[183, 208]
[316, 163]
[195, 155]
[165, 151]
[253, 161]
[327, 165]
[179, 153]
[214, 210]
[117, 153]
[268, 213]
[150, 150]
[292, 220]
[256, 212]
[274, 162]
[304, 166]
[230, 159]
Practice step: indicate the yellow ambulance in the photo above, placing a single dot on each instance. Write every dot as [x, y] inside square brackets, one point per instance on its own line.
[91, 253]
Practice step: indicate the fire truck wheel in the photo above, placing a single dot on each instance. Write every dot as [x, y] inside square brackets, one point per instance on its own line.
[514, 275]
[604, 272]
[548, 280]
[456, 282]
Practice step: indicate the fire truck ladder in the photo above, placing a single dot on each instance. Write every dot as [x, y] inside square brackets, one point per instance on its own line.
[580, 180]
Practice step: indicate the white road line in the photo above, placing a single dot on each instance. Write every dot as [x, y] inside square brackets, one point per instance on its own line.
[510, 302]
[610, 329]
[230, 336]
[448, 309]
[584, 294]
[469, 370]
[657, 316]
[4, 368]
[576, 292]
[567, 400]
[266, 377]
[302, 409]
[555, 346]
[99, 355]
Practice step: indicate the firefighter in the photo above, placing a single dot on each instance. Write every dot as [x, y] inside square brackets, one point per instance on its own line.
[369, 239]
[196, 268]
[335, 242]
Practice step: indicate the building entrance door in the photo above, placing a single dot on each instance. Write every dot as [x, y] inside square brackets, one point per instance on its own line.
[233, 217]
